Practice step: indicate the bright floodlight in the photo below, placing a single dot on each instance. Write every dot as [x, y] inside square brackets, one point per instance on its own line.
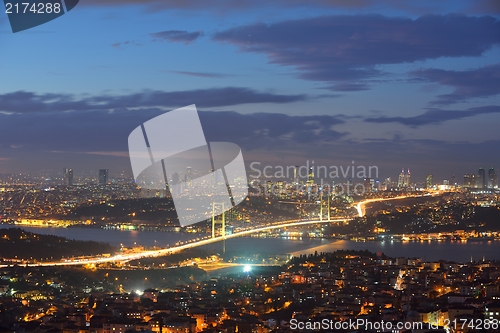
[138, 292]
[247, 268]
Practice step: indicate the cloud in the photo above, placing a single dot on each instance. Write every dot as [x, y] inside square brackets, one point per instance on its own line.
[65, 132]
[203, 74]
[124, 154]
[270, 130]
[344, 51]
[29, 102]
[436, 116]
[179, 36]
[128, 42]
[479, 82]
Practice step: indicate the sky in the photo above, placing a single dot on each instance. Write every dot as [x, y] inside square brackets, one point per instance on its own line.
[396, 84]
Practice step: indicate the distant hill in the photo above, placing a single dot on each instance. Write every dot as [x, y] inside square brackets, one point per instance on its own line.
[21, 244]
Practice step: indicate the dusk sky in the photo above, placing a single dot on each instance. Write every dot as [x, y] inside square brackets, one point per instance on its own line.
[413, 84]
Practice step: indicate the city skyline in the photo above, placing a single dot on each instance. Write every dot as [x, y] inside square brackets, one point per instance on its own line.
[467, 179]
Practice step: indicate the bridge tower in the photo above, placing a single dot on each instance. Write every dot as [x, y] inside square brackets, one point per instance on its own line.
[222, 222]
[321, 207]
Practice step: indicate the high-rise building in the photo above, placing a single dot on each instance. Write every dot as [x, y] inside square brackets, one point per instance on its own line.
[388, 184]
[68, 177]
[404, 180]
[269, 187]
[219, 177]
[481, 178]
[401, 179]
[103, 176]
[407, 179]
[189, 177]
[367, 184]
[492, 178]
[429, 182]
[310, 176]
[469, 180]
[296, 175]
[453, 181]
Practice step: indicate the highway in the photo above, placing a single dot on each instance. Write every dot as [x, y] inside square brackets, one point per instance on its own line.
[360, 206]
[165, 251]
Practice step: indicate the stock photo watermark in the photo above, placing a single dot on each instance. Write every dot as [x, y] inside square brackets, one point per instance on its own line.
[312, 178]
[204, 178]
[360, 323]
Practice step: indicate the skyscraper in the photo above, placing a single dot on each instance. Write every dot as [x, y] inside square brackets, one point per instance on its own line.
[407, 179]
[296, 175]
[481, 178]
[401, 179]
[429, 182]
[68, 177]
[388, 184]
[492, 178]
[310, 176]
[103, 176]
[189, 177]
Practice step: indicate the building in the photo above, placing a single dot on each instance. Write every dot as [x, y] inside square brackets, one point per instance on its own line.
[189, 177]
[368, 185]
[401, 179]
[310, 176]
[469, 180]
[103, 176]
[492, 311]
[68, 177]
[481, 178]
[492, 178]
[388, 184]
[429, 182]
[296, 175]
[407, 179]
[269, 187]
[404, 179]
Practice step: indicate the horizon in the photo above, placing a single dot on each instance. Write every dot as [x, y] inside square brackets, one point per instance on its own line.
[407, 85]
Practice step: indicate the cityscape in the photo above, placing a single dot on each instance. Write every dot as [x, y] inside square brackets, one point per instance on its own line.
[250, 166]
[191, 285]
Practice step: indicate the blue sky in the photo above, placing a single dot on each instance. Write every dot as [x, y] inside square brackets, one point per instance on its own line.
[399, 84]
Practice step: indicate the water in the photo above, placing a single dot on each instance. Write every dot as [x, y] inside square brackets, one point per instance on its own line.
[452, 251]
[448, 250]
[113, 237]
